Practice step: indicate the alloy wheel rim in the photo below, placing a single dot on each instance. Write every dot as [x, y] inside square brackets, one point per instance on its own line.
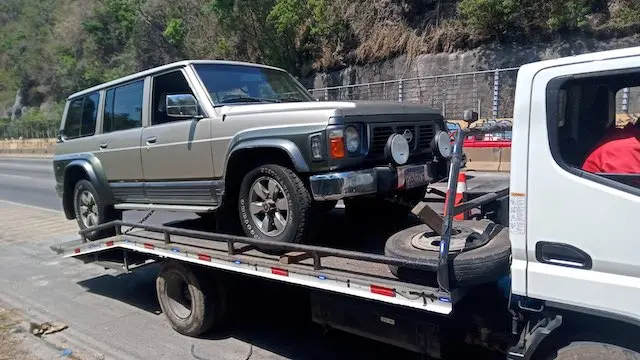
[268, 206]
[88, 209]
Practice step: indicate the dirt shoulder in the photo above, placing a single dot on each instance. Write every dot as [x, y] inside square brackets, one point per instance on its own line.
[11, 348]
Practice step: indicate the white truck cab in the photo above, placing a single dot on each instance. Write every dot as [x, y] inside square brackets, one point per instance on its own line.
[572, 231]
[574, 246]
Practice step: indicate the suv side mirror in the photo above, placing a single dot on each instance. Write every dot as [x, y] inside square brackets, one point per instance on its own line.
[60, 137]
[183, 106]
[470, 116]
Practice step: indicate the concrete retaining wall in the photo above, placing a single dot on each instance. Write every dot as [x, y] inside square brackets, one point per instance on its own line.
[42, 147]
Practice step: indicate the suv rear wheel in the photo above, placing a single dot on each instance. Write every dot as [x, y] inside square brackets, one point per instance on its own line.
[274, 204]
[91, 210]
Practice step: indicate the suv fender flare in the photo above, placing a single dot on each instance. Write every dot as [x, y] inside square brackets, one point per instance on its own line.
[91, 166]
[288, 146]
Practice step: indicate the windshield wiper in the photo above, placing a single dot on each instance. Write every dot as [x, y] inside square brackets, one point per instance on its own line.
[239, 99]
[289, 98]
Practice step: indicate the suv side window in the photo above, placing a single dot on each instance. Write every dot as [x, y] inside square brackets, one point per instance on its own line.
[593, 127]
[81, 116]
[163, 85]
[123, 107]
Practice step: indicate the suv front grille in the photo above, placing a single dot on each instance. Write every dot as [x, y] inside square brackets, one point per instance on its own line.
[422, 136]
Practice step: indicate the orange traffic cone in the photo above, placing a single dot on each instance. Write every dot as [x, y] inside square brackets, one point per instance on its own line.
[461, 196]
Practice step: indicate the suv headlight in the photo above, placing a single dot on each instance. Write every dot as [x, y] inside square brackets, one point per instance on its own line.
[352, 139]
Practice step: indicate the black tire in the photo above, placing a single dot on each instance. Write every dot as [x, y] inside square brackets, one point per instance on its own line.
[106, 212]
[207, 301]
[587, 350]
[300, 215]
[476, 266]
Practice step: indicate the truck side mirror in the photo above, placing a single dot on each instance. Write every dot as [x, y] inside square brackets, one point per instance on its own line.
[470, 116]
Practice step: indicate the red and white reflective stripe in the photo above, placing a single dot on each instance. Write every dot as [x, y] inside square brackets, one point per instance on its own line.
[375, 289]
[204, 257]
[278, 271]
[354, 287]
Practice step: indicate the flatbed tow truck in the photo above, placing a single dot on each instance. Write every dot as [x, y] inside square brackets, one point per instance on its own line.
[565, 286]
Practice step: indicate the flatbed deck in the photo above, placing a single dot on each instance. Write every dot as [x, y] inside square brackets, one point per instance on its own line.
[348, 272]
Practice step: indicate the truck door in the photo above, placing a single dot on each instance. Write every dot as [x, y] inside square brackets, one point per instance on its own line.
[582, 242]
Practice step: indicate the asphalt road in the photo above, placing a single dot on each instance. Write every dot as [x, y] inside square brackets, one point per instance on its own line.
[113, 316]
[30, 181]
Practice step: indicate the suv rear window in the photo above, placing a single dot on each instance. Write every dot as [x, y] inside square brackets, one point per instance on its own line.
[81, 116]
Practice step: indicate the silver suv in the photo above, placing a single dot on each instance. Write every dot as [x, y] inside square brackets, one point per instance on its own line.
[245, 142]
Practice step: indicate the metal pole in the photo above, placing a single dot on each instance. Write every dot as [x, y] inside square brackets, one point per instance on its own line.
[400, 88]
[447, 227]
[625, 100]
[496, 93]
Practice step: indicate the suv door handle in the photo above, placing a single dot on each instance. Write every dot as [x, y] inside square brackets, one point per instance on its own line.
[151, 140]
[104, 145]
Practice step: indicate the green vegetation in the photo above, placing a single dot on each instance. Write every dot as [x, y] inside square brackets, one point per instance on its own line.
[51, 48]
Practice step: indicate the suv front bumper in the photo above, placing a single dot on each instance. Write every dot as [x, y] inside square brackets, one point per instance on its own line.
[378, 180]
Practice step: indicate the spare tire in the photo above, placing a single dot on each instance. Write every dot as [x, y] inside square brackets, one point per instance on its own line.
[483, 257]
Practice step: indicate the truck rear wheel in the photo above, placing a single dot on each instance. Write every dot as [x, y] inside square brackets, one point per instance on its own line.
[586, 350]
[274, 205]
[191, 305]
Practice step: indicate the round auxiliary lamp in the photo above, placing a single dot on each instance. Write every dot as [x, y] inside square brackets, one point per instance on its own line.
[442, 144]
[397, 148]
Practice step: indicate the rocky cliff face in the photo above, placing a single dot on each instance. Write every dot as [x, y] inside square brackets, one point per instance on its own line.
[454, 94]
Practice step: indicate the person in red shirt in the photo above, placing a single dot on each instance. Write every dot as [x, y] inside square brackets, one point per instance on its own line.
[617, 153]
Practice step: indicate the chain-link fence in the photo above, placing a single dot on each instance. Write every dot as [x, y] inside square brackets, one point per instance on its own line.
[490, 93]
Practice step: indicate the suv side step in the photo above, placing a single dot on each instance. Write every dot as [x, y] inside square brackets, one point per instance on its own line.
[185, 208]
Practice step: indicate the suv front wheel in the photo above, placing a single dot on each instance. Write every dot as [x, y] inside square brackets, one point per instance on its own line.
[91, 210]
[274, 205]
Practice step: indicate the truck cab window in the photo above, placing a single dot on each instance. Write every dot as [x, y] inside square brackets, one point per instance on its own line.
[163, 85]
[592, 132]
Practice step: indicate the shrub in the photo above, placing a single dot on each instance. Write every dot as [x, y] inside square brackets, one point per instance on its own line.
[489, 17]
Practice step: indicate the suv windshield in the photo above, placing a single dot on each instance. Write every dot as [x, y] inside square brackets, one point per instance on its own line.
[232, 84]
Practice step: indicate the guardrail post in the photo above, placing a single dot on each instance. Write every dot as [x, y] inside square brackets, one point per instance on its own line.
[496, 93]
[625, 100]
[400, 90]
[326, 94]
